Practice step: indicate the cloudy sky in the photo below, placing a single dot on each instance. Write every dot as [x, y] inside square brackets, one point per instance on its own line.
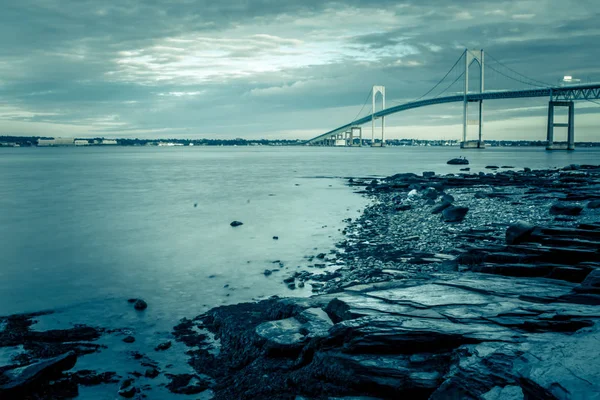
[279, 68]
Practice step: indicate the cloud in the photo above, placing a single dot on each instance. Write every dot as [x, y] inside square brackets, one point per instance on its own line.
[267, 67]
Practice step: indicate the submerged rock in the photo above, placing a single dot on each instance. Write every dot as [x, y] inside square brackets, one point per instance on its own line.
[140, 305]
[163, 346]
[236, 223]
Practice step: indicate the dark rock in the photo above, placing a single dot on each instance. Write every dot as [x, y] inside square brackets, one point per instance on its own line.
[440, 207]
[129, 339]
[491, 167]
[127, 389]
[236, 223]
[321, 256]
[187, 384]
[140, 305]
[403, 207]
[291, 286]
[267, 272]
[519, 232]
[594, 204]
[428, 174]
[151, 373]
[447, 198]
[572, 167]
[565, 209]
[591, 283]
[526, 169]
[24, 379]
[454, 214]
[507, 166]
[430, 193]
[163, 346]
[465, 169]
[458, 161]
[289, 279]
[275, 237]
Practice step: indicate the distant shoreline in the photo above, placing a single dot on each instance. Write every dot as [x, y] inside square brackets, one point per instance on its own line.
[38, 141]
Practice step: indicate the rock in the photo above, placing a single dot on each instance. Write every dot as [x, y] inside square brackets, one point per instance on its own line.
[594, 204]
[565, 209]
[526, 169]
[291, 286]
[151, 373]
[430, 193]
[187, 384]
[321, 256]
[129, 339]
[127, 389]
[507, 166]
[403, 207]
[454, 214]
[591, 284]
[491, 167]
[447, 198]
[275, 237]
[440, 207]
[572, 167]
[465, 169]
[236, 223]
[458, 161]
[518, 232]
[428, 174]
[267, 272]
[289, 279]
[140, 305]
[163, 346]
[26, 378]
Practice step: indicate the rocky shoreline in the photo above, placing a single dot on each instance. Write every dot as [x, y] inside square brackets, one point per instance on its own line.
[470, 286]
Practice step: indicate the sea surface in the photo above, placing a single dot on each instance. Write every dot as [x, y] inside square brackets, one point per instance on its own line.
[84, 229]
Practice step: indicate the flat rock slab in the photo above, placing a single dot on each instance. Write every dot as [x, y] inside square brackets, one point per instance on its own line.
[24, 377]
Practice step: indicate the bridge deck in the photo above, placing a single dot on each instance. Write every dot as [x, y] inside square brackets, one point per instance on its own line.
[567, 93]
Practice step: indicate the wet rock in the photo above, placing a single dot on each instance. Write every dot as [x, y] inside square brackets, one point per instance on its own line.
[519, 232]
[458, 161]
[291, 286]
[428, 174]
[129, 339]
[465, 169]
[321, 256]
[454, 214]
[491, 167]
[403, 207]
[565, 209]
[594, 204]
[187, 384]
[16, 381]
[275, 237]
[440, 207]
[127, 389]
[140, 305]
[447, 198]
[430, 193]
[236, 223]
[163, 346]
[526, 169]
[267, 272]
[507, 166]
[151, 373]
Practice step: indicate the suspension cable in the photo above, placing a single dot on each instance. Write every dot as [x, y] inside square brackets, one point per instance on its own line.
[515, 79]
[441, 80]
[516, 72]
[364, 104]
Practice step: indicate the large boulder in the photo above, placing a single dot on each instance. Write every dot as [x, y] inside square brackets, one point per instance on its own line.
[430, 193]
[518, 232]
[565, 209]
[454, 214]
[594, 204]
[25, 379]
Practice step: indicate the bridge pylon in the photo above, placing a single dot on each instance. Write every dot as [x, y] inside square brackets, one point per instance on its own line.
[377, 89]
[471, 57]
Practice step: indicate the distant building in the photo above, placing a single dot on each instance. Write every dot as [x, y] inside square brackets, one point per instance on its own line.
[108, 142]
[56, 142]
[81, 142]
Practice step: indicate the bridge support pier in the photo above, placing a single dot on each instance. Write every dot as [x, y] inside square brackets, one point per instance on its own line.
[570, 125]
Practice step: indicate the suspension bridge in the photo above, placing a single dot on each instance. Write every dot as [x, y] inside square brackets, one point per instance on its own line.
[563, 95]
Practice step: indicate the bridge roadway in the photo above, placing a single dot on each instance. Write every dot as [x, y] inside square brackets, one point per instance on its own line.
[561, 93]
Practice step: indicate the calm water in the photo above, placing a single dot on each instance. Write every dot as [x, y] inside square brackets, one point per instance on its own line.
[83, 229]
[81, 224]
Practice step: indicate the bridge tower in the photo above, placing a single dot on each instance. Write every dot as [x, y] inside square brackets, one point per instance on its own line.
[471, 57]
[377, 89]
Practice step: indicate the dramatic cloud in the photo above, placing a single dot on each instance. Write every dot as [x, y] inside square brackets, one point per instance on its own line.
[268, 68]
